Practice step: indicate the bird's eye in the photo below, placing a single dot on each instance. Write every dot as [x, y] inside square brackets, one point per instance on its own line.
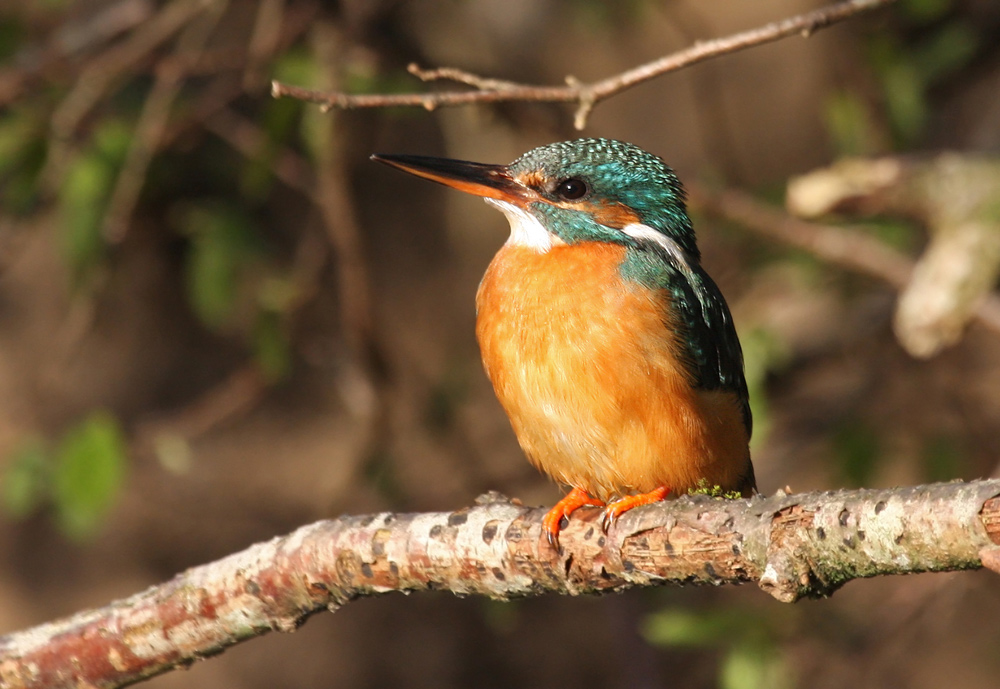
[571, 188]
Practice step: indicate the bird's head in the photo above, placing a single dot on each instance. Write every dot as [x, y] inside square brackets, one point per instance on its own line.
[575, 191]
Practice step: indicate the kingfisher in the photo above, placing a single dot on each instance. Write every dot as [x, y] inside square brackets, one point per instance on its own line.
[611, 350]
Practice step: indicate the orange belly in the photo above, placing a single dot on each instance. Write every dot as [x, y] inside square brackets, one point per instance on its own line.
[586, 367]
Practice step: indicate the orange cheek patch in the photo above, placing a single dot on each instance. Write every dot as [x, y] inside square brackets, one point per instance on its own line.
[614, 215]
[609, 214]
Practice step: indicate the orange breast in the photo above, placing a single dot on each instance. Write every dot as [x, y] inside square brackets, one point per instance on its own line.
[586, 367]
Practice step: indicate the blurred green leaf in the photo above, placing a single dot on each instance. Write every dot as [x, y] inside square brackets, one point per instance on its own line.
[84, 195]
[23, 147]
[314, 125]
[502, 617]
[856, 447]
[222, 242]
[380, 473]
[905, 101]
[363, 76]
[298, 67]
[317, 132]
[896, 232]
[446, 397]
[14, 130]
[27, 477]
[271, 347]
[947, 50]
[279, 123]
[676, 627]
[112, 140]
[11, 35]
[754, 666]
[89, 472]
[942, 458]
[763, 352]
[925, 11]
[751, 658]
[849, 124]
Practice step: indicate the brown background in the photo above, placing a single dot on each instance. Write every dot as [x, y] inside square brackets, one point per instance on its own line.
[420, 429]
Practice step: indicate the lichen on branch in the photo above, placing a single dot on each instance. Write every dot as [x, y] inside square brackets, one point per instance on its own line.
[792, 546]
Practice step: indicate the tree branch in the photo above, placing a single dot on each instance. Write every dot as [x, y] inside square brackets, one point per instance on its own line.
[792, 546]
[843, 246]
[585, 95]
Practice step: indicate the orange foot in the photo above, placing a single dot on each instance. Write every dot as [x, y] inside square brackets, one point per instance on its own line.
[573, 500]
[619, 507]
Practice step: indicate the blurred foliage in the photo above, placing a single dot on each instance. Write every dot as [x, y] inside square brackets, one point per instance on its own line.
[897, 233]
[81, 477]
[857, 451]
[11, 34]
[88, 474]
[447, 397]
[229, 240]
[22, 155]
[932, 44]
[84, 194]
[272, 350]
[748, 643]
[850, 124]
[223, 245]
[27, 478]
[763, 352]
[279, 120]
[942, 457]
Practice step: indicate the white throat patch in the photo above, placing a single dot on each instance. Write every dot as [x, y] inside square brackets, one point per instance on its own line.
[525, 229]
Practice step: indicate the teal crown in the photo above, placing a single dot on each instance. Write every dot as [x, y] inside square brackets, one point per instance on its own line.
[615, 172]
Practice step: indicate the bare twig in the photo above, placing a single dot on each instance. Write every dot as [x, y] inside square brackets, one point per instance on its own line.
[152, 124]
[249, 140]
[101, 73]
[33, 63]
[585, 95]
[264, 42]
[791, 546]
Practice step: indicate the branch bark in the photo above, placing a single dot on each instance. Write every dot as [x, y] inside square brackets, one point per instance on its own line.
[792, 546]
[585, 95]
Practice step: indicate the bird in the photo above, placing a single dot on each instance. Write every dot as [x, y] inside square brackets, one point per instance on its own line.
[611, 350]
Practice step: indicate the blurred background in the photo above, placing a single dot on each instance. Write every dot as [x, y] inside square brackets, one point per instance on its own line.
[220, 321]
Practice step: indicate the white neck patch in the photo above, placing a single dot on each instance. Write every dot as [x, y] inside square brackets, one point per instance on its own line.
[525, 228]
[648, 234]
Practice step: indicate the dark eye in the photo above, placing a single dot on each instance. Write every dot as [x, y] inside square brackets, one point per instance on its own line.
[571, 188]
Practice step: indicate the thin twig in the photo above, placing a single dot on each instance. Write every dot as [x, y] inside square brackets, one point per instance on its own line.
[152, 123]
[584, 94]
[34, 63]
[264, 41]
[101, 73]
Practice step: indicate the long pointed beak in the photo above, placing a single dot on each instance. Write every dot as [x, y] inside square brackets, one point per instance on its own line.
[480, 179]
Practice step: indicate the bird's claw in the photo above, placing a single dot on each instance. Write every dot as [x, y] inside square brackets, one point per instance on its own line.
[557, 518]
[609, 519]
[619, 507]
